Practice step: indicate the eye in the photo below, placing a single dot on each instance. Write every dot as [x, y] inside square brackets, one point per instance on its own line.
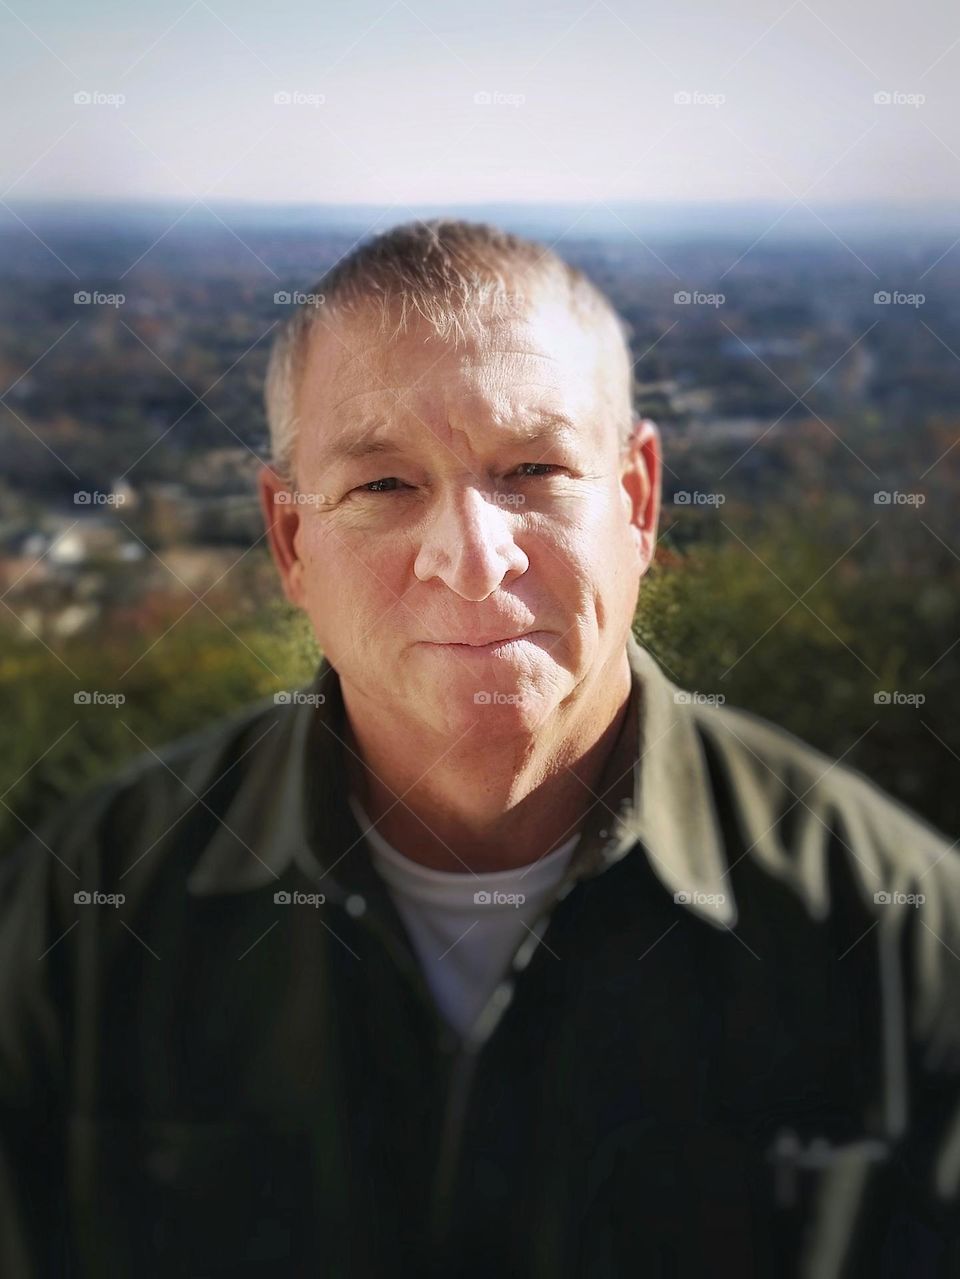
[525, 471]
[374, 485]
[542, 467]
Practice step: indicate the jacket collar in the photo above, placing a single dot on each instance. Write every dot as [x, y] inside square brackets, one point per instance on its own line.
[292, 809]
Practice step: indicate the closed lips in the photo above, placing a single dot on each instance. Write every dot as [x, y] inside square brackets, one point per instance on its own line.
[490, 639]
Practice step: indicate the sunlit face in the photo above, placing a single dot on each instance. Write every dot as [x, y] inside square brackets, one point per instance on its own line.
[448, 497]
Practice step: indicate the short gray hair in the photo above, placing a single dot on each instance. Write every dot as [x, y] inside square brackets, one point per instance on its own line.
[445, 271]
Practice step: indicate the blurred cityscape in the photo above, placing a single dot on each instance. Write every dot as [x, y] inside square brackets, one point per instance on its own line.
[807, 389]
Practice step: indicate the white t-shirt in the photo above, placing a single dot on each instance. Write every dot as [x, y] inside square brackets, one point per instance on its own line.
[465, 927]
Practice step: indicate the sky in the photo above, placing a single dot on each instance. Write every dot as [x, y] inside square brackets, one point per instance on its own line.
[390, 101]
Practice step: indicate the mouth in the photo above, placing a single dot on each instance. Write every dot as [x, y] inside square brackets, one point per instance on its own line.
[504, 644]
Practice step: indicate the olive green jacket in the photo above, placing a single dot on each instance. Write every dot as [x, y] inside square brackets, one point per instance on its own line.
[730, 1044]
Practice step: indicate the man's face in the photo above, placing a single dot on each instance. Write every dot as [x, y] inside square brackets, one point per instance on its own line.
[493, 500]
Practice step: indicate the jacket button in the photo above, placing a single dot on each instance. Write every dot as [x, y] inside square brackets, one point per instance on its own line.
[355, 905]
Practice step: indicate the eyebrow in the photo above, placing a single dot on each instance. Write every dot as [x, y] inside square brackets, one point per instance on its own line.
[542, 428]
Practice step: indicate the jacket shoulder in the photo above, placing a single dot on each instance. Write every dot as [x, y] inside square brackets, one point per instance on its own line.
[144, 797]
[811, 823]
[798, 807]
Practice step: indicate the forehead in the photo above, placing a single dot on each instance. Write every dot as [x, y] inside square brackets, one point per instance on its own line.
[512, 367]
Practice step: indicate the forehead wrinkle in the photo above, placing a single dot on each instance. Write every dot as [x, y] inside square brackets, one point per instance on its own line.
[370, 390]
[400, 392]
[479, 357]
[542, 427]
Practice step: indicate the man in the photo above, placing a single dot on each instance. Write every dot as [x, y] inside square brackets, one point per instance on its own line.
[491, 952]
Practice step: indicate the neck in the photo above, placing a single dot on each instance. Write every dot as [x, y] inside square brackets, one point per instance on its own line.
[483, 806]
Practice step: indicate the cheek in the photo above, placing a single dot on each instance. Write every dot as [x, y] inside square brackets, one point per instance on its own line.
[344, 577]
[590, 542]
[590, 566]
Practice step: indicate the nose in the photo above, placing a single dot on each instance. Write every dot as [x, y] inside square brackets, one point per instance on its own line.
[468, 543]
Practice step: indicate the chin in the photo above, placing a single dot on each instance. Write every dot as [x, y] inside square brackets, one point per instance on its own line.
[495, 712]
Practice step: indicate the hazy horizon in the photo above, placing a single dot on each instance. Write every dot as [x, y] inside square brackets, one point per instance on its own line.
[770, 220]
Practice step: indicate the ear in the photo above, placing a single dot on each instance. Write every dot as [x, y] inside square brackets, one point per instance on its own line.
[640, 478]
[281, 516]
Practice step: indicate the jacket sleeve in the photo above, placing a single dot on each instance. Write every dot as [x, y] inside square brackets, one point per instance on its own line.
[33, 1218]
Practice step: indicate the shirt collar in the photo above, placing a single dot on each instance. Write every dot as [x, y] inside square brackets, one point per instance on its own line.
[292, 808]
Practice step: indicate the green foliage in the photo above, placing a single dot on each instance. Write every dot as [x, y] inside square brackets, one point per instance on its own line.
[741, 621]
[173, 683]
